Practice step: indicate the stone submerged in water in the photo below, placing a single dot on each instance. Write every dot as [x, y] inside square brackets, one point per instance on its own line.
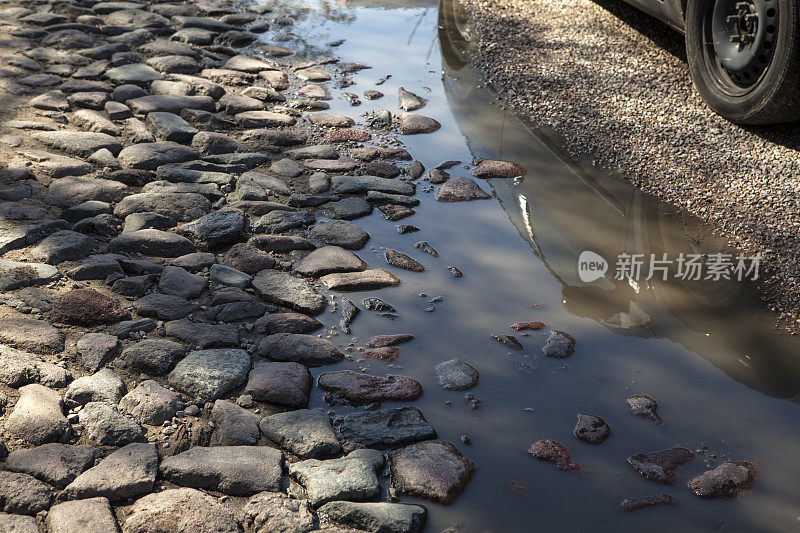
[489, 168]
[413, 123]
[632, 504]
[408, 101]
[455, 375]
[379, 341]
[461, 190]
[646, 406]
[728, 480]
[376, 304]
[401, 260]
[591, 429]
[660, 466]
[434, 470]
[509, 340]
[386, 353]
[556, 453]
[349, 313]
[560, 345]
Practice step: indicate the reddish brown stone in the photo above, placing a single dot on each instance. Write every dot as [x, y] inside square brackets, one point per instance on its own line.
[555, 452]
[497, 169]
[632, 504]
[394, 212]
[86, 307]
[387, 353]
[379, 341]
[528, 325]
[728, 480]
[592, 429]
[660, 466]
[646, 406]
[461, 190]
[401, 260]
[384, 169]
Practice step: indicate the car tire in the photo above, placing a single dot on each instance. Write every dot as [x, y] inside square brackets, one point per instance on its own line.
[746, 69]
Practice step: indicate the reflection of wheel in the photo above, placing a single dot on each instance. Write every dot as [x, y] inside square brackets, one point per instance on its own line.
[455, 34]
[745, 58]
[672, 231]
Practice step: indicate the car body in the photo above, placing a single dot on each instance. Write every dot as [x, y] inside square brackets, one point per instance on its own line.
[668, 11]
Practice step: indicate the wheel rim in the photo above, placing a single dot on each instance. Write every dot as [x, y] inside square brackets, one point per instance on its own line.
[739, 38]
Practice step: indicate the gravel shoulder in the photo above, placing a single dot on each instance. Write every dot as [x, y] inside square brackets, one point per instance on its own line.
[615, 85]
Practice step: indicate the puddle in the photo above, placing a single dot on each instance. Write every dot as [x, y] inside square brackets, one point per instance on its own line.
[726, 383]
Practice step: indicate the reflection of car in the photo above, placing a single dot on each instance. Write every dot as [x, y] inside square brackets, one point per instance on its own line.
[744, 55]
[563, 210]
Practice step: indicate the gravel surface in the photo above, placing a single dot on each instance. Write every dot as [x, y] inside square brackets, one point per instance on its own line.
[615, 84]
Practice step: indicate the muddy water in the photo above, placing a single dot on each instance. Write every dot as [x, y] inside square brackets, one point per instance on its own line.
[726, 384]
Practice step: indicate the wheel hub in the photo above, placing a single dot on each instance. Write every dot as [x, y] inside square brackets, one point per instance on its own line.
[744, 33]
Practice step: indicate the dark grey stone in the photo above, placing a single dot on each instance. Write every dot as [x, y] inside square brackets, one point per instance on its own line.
[385, 428]
[306, 433]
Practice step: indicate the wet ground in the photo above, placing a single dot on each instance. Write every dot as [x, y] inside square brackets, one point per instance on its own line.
[726, 384]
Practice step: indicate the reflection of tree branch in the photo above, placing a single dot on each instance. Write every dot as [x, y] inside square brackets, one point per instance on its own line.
[313, 18]
[416, 26]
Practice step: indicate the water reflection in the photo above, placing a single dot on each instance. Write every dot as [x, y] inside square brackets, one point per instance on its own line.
[562, 214]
